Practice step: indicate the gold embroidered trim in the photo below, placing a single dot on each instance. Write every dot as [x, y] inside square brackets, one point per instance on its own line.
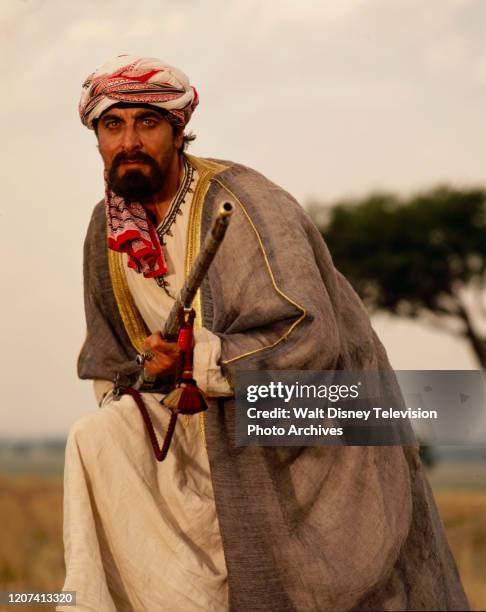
[202, 425]
[272, 278]
[206, 170]
[202, 428]
[186, 421]
[131, 317]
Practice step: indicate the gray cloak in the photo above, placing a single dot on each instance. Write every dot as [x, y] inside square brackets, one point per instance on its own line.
[308, 528]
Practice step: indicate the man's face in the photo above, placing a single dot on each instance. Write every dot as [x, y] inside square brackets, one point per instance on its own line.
[138, 147]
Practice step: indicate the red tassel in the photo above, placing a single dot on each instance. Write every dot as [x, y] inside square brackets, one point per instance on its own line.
[192, 400]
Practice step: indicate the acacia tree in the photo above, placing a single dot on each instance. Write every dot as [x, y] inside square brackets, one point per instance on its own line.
[420, 257]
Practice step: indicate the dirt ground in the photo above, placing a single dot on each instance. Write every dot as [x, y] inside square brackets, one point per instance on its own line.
[31, 552]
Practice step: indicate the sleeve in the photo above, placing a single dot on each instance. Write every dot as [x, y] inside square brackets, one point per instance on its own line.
[102, 390]
[206, 368]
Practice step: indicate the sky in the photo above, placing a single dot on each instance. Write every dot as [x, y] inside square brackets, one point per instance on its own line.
[329, 99]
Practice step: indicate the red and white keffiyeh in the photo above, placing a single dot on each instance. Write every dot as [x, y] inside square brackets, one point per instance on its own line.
[136, 80]
[130, 231]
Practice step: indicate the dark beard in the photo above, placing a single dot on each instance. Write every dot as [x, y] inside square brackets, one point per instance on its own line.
[134, 185]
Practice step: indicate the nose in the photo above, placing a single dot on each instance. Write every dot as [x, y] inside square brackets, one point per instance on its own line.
[130, 139]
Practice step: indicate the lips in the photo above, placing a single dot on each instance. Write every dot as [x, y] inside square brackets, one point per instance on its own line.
[131, 164]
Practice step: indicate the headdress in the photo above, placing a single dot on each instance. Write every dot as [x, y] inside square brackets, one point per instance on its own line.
[138, 81]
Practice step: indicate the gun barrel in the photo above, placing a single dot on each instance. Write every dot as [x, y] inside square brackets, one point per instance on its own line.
[200, 267]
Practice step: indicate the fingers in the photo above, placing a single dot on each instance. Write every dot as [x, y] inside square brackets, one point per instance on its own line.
[156, 343]
[160, 365]
[166, 355]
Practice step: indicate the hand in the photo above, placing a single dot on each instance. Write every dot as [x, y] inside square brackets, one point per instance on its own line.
[166, 355]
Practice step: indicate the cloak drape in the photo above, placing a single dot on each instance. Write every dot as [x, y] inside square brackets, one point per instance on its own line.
[310, 528]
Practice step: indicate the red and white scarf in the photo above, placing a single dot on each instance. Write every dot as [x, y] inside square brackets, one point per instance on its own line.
[129, 230]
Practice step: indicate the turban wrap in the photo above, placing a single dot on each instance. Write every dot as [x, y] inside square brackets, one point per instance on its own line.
[139, 81]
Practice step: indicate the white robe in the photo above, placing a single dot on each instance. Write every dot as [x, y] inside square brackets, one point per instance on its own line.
[141, 535]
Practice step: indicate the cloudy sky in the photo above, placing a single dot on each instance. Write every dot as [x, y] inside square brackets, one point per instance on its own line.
[328, 98]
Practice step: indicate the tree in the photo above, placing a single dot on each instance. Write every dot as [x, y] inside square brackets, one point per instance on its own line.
[420, 257]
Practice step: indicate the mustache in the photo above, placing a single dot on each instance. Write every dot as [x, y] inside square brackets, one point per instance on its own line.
[139, 156]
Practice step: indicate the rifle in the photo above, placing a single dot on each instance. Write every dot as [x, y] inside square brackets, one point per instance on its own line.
[188, 292]
[176, 401]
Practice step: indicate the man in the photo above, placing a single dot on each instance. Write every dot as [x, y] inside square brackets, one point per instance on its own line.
[216, 526]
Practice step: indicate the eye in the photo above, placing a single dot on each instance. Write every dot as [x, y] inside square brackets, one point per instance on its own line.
[111, 124]
[148, 122]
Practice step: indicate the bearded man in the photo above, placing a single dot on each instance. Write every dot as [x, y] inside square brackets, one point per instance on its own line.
[215, 526]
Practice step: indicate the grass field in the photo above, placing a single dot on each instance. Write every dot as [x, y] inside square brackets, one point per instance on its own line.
[464, 517]
[31, 552]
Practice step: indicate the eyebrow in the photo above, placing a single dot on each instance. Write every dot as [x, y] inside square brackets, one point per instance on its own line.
[152, 114]
[109, 117]
[149, 113]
